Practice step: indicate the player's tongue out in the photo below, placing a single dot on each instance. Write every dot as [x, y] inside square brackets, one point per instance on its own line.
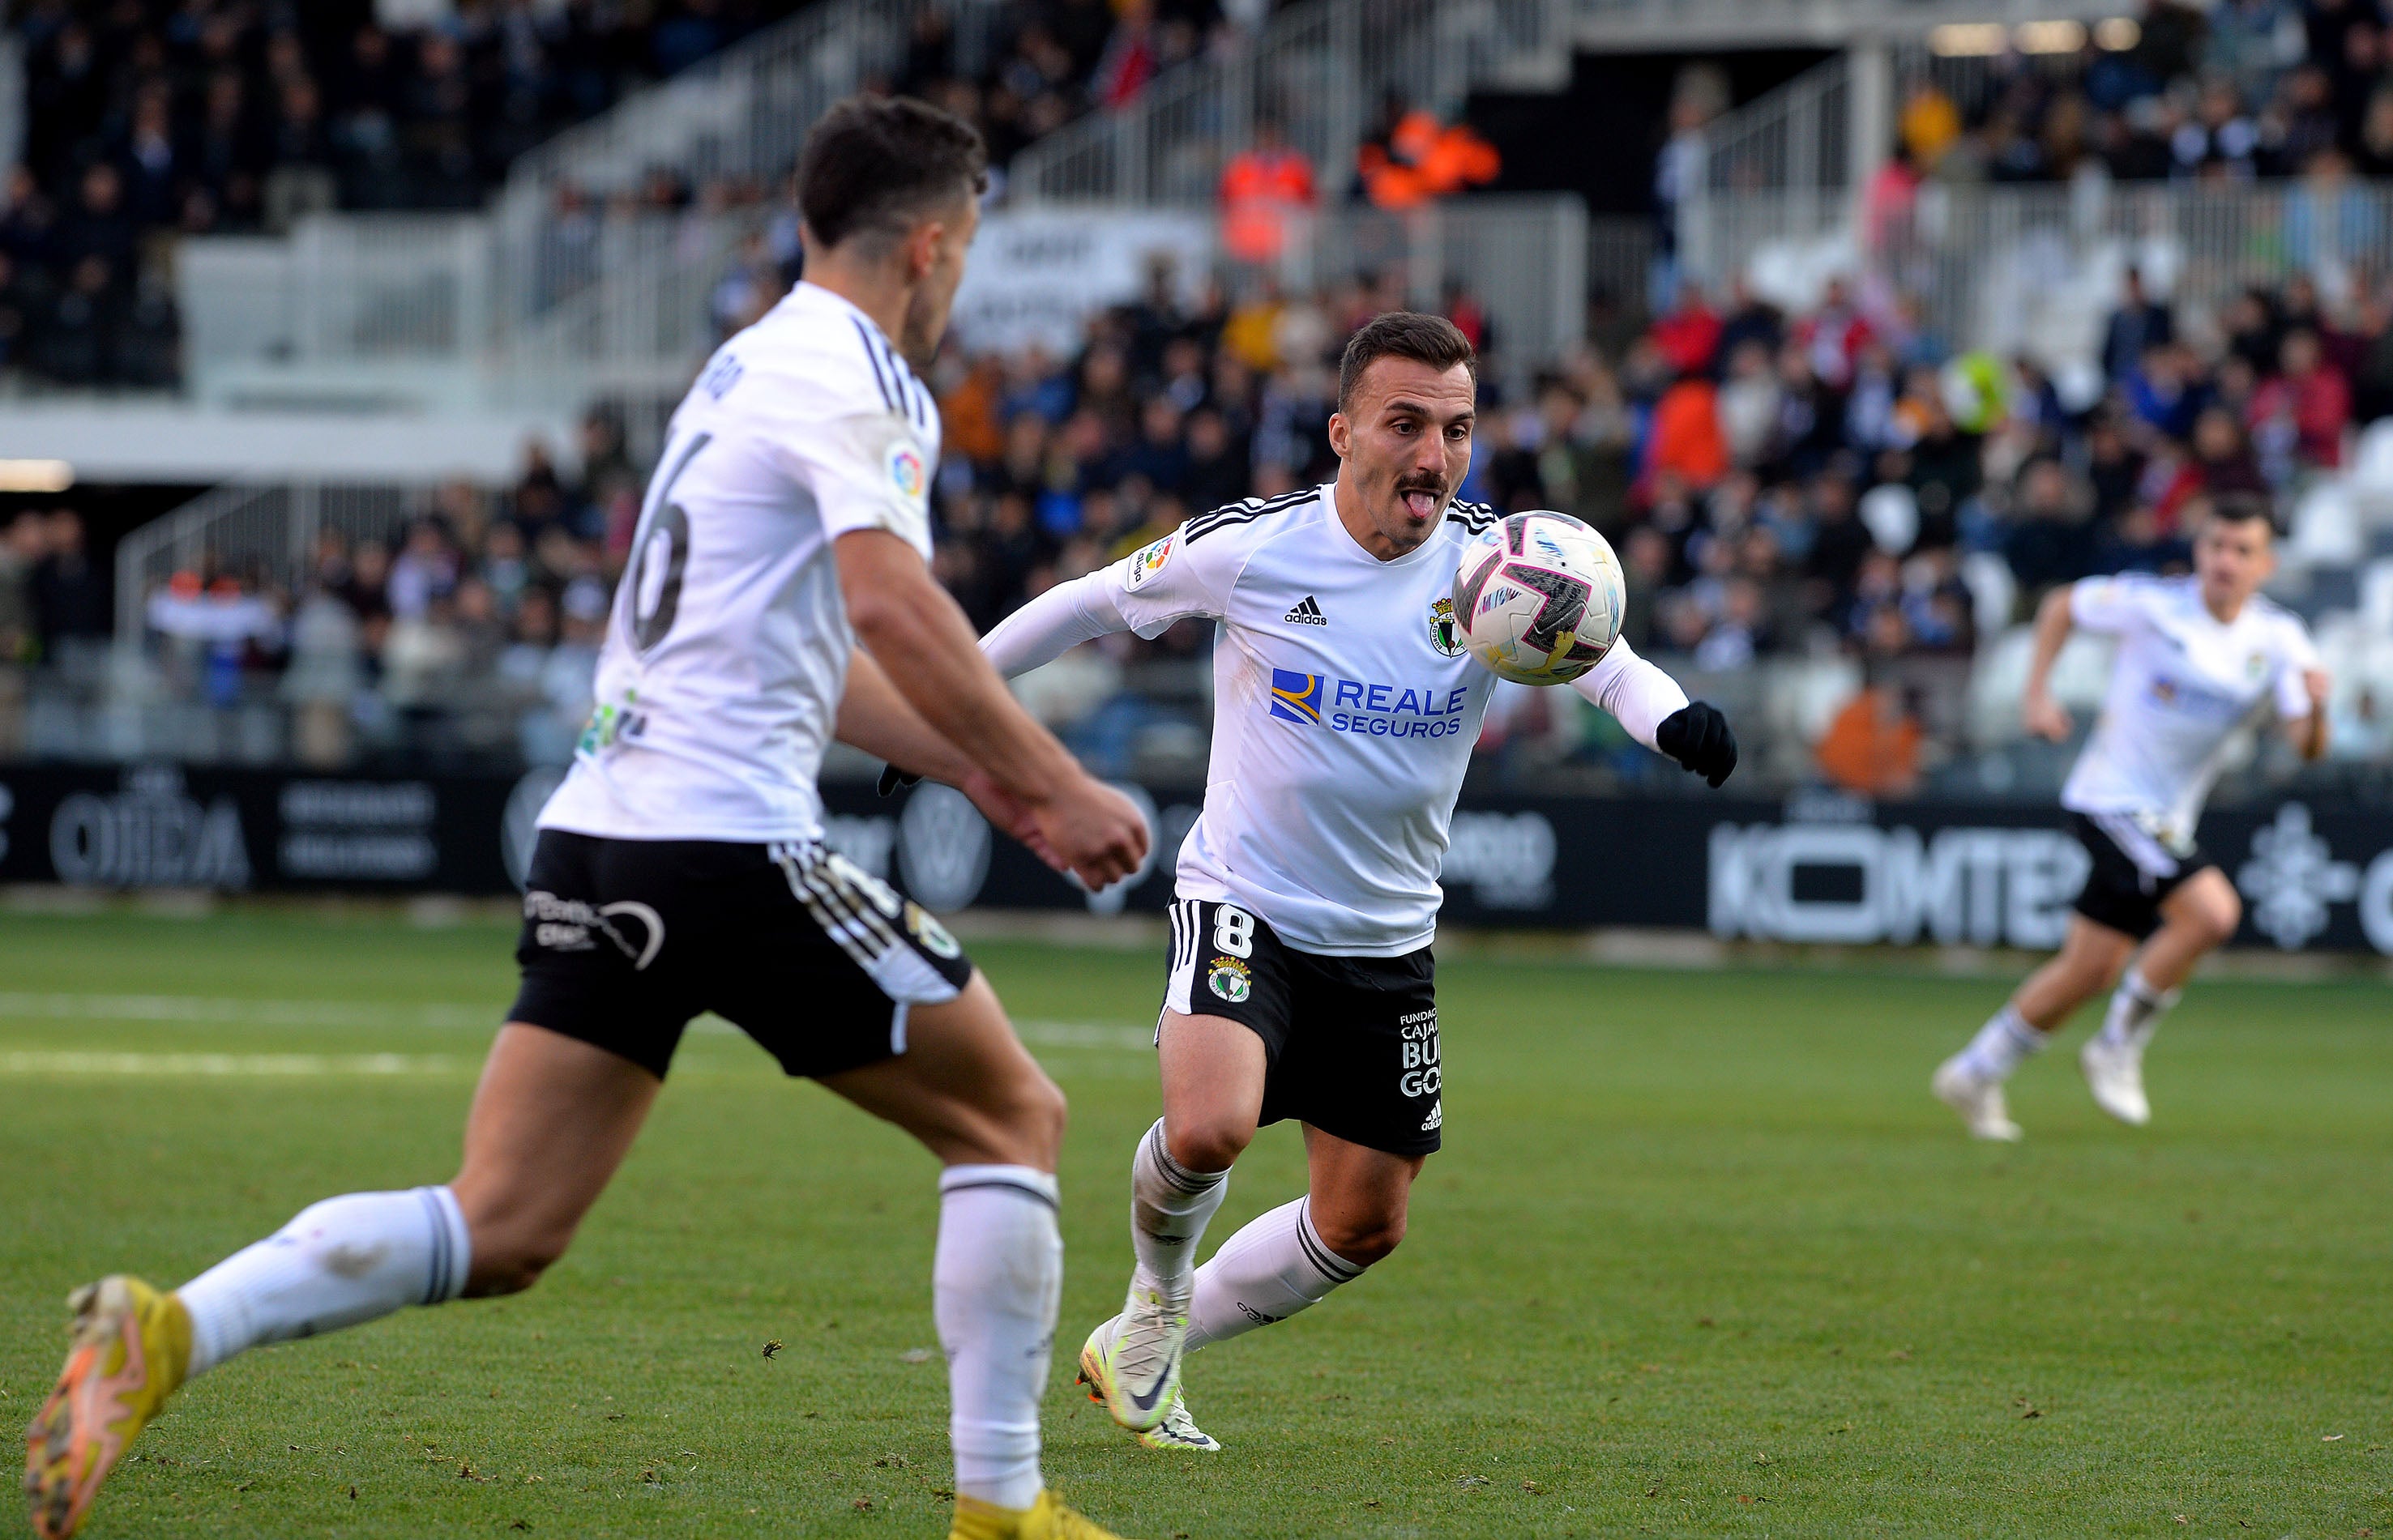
[1422, 504]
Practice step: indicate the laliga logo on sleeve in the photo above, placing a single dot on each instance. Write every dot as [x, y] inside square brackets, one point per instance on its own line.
[906, 471]
[1147, 560]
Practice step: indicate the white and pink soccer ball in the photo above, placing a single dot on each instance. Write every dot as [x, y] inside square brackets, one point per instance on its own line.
[1538, 598]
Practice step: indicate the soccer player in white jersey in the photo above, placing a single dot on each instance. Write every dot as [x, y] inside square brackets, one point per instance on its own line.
[2197, 657]
[681, 867]
[1301, 977]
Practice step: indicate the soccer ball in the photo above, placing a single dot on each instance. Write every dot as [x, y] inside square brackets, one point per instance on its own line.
[1538, 597]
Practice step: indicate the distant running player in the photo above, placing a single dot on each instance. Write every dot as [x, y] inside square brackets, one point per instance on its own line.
[1300, 982]
[681, 867]
[2197, 657]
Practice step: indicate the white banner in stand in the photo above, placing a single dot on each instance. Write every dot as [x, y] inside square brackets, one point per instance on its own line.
[1038, 275]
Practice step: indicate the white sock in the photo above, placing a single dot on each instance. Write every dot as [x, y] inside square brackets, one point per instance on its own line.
[996, 1279]
[1169, 1207]
[2000, 1045]
[2135, 1011]
[341, 1262]
[1266, 1273]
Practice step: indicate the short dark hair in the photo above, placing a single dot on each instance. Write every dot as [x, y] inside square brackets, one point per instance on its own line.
[1433, 340]
[2241, 508]
[872, 165]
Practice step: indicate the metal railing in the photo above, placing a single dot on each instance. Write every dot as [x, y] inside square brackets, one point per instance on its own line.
[741, 112]
[1320, 69]
[266, 536]
[1679, 25]
[1791, 139]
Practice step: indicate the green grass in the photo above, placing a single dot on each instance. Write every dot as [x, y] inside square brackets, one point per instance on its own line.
[1701, 1256]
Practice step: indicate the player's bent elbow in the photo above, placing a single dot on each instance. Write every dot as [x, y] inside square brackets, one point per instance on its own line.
[887, 627]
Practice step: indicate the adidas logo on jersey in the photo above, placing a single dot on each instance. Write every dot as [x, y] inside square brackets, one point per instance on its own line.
[1306, 613]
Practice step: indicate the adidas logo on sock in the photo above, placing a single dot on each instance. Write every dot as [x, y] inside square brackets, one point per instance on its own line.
[1306, 613]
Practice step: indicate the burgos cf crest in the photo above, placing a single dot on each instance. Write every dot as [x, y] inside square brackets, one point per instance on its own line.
[1229, 979]
[1295, 696]
[1444, 633]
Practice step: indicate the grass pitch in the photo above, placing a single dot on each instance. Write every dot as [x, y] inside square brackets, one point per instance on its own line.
[1701, 1256]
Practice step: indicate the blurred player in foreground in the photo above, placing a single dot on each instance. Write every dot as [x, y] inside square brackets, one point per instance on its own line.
[2197, 657]
[680, 868]
[1300, 979]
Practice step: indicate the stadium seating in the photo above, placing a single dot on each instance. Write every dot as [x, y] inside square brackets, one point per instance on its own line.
[1930, 389]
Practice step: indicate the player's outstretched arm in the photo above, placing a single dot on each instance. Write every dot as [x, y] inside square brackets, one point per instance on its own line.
[1659, 714]
[931, 659]
[875, 718]
[2054, 619]
[1055, 622]
[2309, 732]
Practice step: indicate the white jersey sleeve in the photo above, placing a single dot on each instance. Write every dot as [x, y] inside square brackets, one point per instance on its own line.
[1054, 624]
[2114, 605]
[857, 443]
[1638, 693]
[2296, 655]
[1175, 579]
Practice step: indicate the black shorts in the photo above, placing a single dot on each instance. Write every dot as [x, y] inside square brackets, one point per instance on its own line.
[2134, 870]
[625, 940]
[1352, 1042]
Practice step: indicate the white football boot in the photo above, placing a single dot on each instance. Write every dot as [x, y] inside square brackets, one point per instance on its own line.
[1177, 1430]
[1978, 1101]
[2114, 1073]
[1140, 1359]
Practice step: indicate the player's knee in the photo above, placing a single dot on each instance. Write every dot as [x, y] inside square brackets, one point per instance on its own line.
[1045, 1112]
[1208, 1144]
[505, 1262]
[2217, 919]
[1362, 1238]
[1029, 1113]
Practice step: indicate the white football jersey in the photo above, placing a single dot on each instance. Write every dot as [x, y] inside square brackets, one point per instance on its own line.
[2180, 686]
[727, 654]
[1345, 712]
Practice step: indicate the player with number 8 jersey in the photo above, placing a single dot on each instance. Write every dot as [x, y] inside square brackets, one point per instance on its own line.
[1301, 983]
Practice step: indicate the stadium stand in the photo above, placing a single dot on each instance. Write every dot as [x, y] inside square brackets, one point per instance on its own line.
[1839, 473]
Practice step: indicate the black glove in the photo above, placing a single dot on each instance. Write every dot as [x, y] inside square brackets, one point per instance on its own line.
[1698, 736]
[893, 780]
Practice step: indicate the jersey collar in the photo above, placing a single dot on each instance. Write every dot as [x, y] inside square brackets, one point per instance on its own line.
[1345, 536]
[807, 292]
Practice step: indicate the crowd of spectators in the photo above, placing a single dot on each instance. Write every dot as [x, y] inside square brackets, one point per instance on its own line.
[53, 606]
[2233, 89]
[1049, 61]
[1834, 480]
[472, 631]
[1825, 485]
[146, 120]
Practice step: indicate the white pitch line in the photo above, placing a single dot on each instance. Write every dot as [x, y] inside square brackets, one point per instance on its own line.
[202, 1008]
[210, 1011]
[28, 1062]
[1134, 1039]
